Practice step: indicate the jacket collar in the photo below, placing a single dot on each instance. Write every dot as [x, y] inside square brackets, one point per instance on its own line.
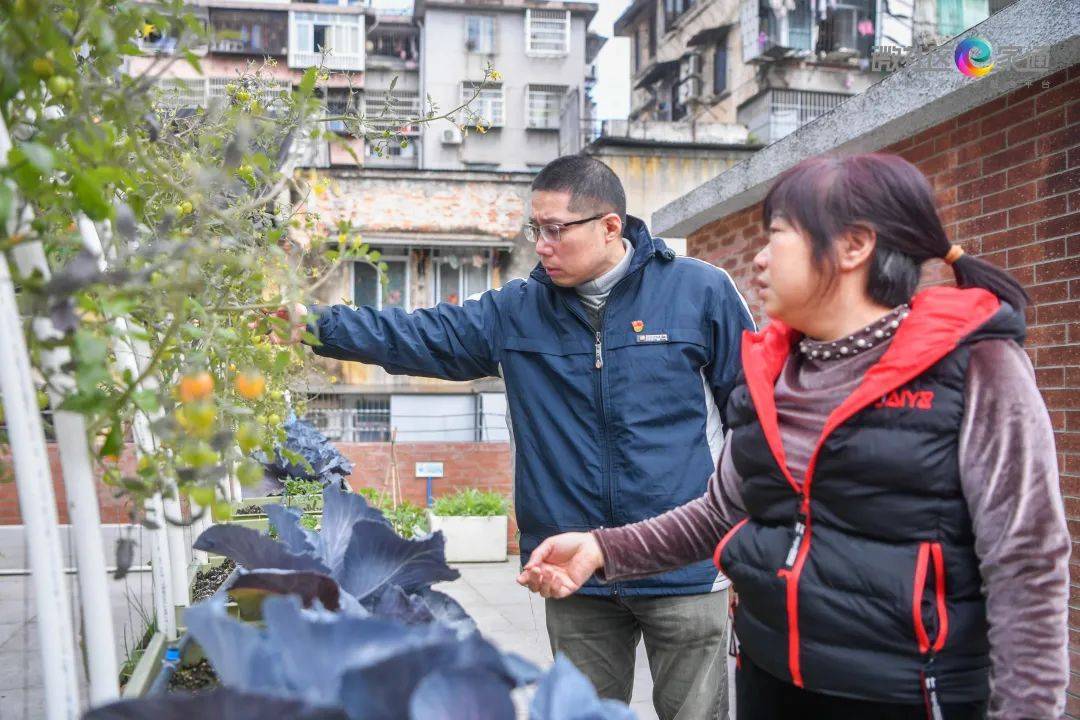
[646, 247]
[941, 318]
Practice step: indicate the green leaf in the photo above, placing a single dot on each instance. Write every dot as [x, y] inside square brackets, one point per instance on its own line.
[307, 83]
[7, 203]
[91, 196]
[193, 61]
[39, 156]
[146, 400]
[310, 339]
[114, 441]
[281, 360]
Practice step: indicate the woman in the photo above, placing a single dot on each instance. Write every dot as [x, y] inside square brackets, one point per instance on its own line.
[887, 502]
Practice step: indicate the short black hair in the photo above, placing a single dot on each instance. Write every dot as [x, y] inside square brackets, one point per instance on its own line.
[591, 184]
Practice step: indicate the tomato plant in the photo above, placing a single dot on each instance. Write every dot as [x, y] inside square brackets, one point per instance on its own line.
[203, 229]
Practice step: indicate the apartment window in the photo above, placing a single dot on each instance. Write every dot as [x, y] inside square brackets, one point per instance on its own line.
[956, 16]
[386, 110]
[547, 32]
[720, 67]
[393, 45]
[341, 36]
[351, 418]
[460, 274]
[341, 102]
[368, 288]
[489, 104]
[480, 34]
[197, 92]
[674, 9]
[544, 106]
[849, 28]
[251, 32]
[792, 29]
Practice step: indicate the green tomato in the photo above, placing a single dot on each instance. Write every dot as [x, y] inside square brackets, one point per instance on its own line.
[249, 473]
[43, 68]
[202, 495]
[274, 420]
[59, 85]
[247, 437]
[199, 455]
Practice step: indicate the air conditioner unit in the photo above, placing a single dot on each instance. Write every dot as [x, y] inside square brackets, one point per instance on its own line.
[690, 79]
[451, 136]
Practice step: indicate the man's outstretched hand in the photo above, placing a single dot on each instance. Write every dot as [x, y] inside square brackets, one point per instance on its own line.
[296, 317]
[562, 564]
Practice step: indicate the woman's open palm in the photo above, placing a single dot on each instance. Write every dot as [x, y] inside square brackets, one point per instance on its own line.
[562, 564]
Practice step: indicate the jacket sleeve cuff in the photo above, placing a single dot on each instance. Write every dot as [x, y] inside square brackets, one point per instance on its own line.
[607, 573]
[317, 324]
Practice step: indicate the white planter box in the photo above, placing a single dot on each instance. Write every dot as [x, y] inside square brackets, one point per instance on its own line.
[472, 539]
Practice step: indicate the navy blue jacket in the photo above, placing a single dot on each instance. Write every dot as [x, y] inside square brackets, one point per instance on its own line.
[609, 427]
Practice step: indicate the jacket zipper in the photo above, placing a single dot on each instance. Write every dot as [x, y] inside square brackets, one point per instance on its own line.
[930, 552]
[598, 361]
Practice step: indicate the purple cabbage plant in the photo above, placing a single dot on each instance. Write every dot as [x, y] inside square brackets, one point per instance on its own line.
[352, 630]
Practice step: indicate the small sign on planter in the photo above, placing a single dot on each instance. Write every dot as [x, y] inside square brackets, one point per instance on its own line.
[429, 471]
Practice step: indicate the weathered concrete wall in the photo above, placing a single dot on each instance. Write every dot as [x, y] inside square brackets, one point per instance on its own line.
[653, 177]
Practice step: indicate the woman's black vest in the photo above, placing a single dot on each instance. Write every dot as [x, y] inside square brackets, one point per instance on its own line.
[861, 580]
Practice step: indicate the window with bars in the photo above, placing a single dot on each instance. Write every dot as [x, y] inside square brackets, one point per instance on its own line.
[547, 32]
[340, 36]
[480, 34]
[489, 104]
[543, 106]
[182, 92]
[351, 418]
[384, 110]
[341, 102]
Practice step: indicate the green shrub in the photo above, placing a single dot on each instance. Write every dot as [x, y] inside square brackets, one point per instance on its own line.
[472, 503]
[303, 494]
[408, 519]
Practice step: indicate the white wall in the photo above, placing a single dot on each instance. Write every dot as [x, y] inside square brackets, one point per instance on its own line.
[433, 418]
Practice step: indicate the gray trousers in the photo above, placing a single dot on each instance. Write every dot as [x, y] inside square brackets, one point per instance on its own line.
[685, 640]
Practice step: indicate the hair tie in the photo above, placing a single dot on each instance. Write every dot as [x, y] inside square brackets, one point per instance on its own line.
[954, 254]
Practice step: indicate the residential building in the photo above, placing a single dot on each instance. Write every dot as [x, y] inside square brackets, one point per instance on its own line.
[773, 65]
[444, 208]
[541, 51]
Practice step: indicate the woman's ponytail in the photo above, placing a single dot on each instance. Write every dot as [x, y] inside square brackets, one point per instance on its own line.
[973, 272]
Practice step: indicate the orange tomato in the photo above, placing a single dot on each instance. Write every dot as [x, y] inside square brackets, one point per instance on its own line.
[250, 384]
[196, 386]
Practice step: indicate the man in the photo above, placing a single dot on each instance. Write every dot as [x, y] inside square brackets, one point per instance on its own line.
[617, 357]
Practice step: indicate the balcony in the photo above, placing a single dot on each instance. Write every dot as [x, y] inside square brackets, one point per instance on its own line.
[249, 32]
[339, 36]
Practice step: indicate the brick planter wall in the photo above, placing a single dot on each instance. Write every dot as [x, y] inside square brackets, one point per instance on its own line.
[1007, 181]
[485, 466]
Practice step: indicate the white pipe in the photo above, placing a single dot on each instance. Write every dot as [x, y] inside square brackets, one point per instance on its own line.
[37, 501]
[81, 490]
[179, 558]
[178, 546]
[37, 504]
[82, 500]
[145, 443]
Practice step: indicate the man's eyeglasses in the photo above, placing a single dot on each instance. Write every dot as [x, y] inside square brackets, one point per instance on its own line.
[551, 232]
